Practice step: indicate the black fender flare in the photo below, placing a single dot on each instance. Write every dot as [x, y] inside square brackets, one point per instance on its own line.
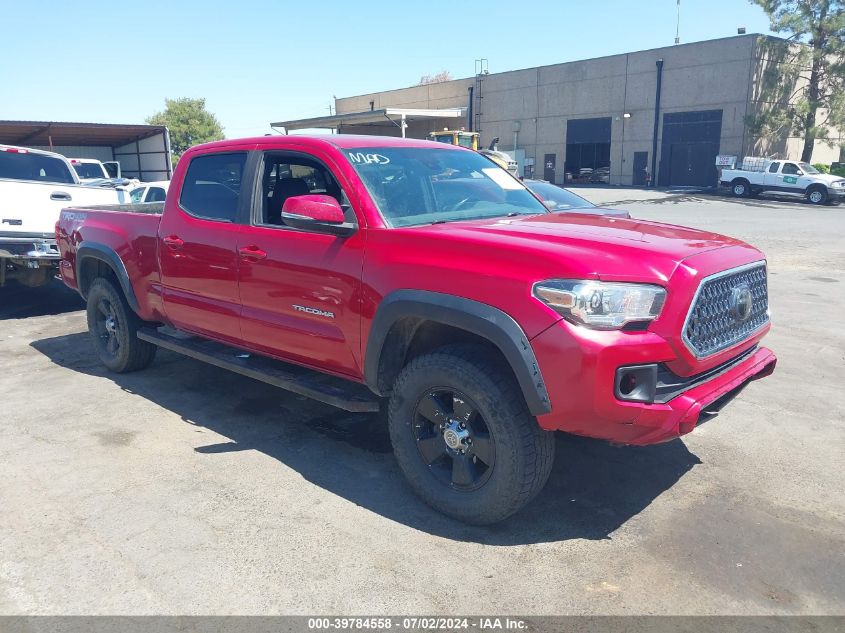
[95, 250]
[478, 318]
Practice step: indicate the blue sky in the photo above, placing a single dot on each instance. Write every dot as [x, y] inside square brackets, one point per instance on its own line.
[257, 62]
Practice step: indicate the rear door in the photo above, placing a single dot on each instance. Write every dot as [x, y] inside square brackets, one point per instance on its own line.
[197, 245]
[300, 290]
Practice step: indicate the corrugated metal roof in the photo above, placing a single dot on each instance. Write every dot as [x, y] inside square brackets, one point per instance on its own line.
[47, 133]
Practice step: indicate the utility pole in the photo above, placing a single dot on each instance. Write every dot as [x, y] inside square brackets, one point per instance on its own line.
[678, 24]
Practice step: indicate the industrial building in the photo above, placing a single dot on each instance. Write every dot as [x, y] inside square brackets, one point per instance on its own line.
[660, 116]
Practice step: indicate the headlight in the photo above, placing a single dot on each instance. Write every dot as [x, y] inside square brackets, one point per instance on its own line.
[601, 305]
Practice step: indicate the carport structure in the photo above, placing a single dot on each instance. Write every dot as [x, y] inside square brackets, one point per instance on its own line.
[142, 150]
[382, 121]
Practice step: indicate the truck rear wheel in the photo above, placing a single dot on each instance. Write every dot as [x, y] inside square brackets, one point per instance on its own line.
[113, 327]
[464, 438]
[741, 188]
[817, 195]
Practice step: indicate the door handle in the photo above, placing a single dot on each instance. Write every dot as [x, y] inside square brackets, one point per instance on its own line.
[173, 241]
[252, 252]
[60, 195]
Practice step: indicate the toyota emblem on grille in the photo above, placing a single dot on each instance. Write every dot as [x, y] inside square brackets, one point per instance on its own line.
[741, 303]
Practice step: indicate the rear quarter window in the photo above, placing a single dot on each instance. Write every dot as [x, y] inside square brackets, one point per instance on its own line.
[34, 167]
[156, 194]
[212, 186]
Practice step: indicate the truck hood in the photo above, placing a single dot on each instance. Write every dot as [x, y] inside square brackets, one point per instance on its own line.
[827, 179]
[592, 245]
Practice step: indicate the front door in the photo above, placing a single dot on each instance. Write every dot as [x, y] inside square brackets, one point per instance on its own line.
[198, 238]
[549, 161]
[640, 166]
[791, 178]
[300, 290]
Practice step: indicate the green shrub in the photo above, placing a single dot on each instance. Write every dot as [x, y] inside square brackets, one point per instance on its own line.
[825, 169]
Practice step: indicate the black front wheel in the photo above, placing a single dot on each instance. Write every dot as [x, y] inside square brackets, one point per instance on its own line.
[113, 327]
[464, 438]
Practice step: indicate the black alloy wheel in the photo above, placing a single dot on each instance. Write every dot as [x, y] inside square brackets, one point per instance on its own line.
[453, 439]
[107, 328]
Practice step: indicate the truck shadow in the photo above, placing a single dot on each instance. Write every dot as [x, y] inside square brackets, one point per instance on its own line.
[20, 302]
[593, 490]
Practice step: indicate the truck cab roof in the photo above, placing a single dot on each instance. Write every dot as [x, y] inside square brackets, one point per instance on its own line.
[341, 141]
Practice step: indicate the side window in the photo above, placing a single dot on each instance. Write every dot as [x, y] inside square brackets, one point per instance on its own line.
[790, 169]
[286, 177]
[773, 168]
[137, 195]
[212, 186]
[156, 194]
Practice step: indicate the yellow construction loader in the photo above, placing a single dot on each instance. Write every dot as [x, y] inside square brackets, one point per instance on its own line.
[469, 140]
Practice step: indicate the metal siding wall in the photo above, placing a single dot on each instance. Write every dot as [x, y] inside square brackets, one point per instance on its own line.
[144, 159]
[103, 153]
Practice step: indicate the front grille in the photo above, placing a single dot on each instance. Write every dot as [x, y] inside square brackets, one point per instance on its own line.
[720, 317]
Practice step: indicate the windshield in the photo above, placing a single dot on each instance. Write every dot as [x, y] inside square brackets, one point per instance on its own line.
[413, 185]
[558, 199]
[36, 167]
[807, 168]
[89, 170]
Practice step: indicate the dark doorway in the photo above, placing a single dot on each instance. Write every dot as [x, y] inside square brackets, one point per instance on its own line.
[588, 150]
[640, 167]
[549, 167]
[689, 148]
[692, 164]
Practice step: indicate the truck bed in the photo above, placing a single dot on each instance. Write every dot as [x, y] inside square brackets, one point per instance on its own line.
[151, 208]
[129, 231]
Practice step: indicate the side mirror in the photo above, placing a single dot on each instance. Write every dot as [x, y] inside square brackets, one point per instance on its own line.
[318, 213]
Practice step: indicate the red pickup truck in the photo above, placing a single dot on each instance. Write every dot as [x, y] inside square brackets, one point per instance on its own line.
[363, 270]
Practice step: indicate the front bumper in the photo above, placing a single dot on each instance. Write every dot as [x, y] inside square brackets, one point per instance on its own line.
[580, 369]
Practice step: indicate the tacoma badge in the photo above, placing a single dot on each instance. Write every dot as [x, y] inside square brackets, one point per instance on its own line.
[316, 311]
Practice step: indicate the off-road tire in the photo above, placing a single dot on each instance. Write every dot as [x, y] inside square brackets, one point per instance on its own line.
[524, 453]
[118, 347]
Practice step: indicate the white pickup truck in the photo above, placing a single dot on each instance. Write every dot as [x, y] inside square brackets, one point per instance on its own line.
[91, 169]
[34, 187]
[784, 176]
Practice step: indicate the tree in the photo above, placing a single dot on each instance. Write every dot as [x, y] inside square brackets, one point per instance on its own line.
[803, 91]
[443, 75]
[189, 124]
